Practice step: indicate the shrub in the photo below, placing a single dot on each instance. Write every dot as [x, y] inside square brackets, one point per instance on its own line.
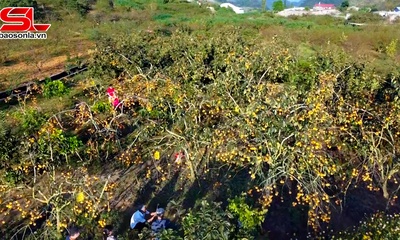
[249, 218]
[30, 119]
[54, 88]
[23, 3]
[82, 7]
[210, 222]
[54, 145]
[161, 17]
[101, 107]
[128, 5]
[368, 17]
[391, 48]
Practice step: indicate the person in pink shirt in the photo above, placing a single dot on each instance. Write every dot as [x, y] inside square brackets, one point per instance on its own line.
[112, 96]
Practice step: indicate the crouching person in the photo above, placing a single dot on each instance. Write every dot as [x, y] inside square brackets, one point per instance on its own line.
[138, 219]
[160, 223]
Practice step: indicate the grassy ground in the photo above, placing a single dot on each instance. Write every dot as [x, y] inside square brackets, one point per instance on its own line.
[24, 60]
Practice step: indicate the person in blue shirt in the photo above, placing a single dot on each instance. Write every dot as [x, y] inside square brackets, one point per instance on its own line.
[138, 219]
[160, 223]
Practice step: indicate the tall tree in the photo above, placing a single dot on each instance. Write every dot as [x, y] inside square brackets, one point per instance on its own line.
[278, 6]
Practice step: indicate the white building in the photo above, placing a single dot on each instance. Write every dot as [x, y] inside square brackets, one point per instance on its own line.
[236, 9]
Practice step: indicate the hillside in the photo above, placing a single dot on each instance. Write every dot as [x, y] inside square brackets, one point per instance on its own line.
[387, 5]
[377, 4]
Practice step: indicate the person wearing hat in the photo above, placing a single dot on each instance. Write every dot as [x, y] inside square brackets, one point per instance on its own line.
[160, 223]
[138, 219]
[73, 233]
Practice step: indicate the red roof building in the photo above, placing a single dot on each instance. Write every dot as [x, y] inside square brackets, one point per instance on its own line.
[323, 6]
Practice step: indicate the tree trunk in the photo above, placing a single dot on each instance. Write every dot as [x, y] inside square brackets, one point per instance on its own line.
[58, 220]
[263, 5]
[384, 190]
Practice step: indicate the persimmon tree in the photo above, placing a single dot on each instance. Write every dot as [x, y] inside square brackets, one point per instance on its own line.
[242, 105]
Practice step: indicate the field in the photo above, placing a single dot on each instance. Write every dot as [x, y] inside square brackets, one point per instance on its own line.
[245, 126]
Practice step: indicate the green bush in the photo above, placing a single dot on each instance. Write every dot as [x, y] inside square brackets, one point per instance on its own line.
[211, 222]
[128, 5]
[162, 17]
[30, 120]
[251, 219]
[82, 7]
[367, 17]
[57, 146]
[23, 3]
[101, 107]
[54, 88]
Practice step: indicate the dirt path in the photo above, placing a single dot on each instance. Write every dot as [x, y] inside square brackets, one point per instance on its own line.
[42, 70]
[18, 72]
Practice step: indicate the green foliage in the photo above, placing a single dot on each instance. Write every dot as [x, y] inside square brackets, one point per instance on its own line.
[167, 234]
[162, 17]
[209, 222]
[269, 105]
[379, 226]
[82, 7]
[253, 111]
[344, 5]
[278, 6]
[31, 119]
[250, 218]
[365, 17]
[54, 88]
[391, 49]
[18, 3]
[13, 177]
[23, 3]
[6, 141]
[3, 59]
[104, 5]
[56, 144]
[9, 156]
[101, 107]
[128, 5]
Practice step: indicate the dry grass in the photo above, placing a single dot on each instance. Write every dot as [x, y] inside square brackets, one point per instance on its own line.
[24, 60]
[39, 68]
